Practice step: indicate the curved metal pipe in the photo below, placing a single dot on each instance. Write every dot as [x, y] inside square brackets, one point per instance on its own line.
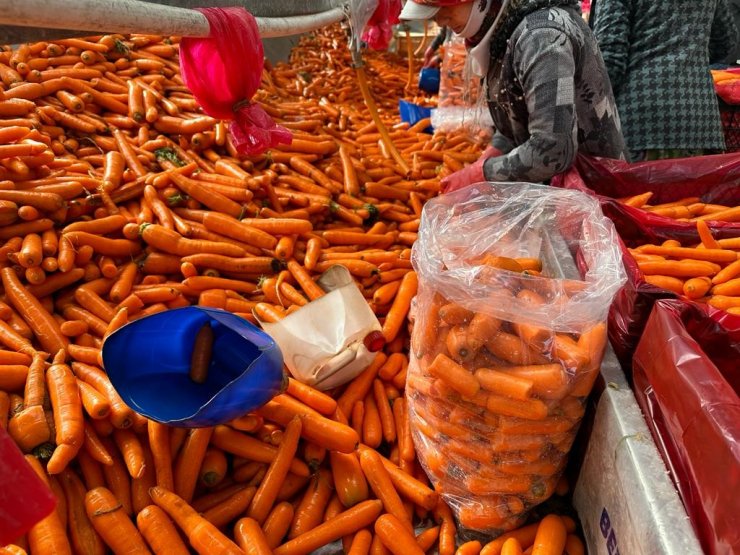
[134, 16]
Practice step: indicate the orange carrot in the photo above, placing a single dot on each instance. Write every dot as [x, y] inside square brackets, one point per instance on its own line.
[267, 493]
[204, 537]
[159, 531]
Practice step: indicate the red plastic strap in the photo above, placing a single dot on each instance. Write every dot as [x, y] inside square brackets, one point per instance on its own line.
[224, 71]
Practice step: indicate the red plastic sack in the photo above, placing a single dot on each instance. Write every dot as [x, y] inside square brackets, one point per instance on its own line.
[714, 179]
[379, 30]
[224, 70]
[685, 368]
[24, 499]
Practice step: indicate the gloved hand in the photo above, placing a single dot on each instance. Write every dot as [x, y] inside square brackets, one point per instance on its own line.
[469, 174]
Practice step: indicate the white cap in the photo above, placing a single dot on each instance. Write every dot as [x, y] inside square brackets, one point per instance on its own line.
[413, 11]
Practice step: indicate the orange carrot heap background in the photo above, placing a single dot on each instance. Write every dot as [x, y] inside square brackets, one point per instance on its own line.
[120, 199]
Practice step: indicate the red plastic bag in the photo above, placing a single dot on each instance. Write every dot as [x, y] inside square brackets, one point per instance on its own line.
[24, 499]
[379, 30]
[714, 179]
[685, 368]
[224, 71]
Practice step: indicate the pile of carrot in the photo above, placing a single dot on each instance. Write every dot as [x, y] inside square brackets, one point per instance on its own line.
[495, 404]
[119, 198]
[689, 209]
[706, 272]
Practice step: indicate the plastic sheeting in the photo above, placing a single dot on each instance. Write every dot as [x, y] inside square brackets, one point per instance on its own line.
[686, 379]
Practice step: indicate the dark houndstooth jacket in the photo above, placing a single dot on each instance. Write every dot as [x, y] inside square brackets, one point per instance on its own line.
[657, 53]
[548, 92]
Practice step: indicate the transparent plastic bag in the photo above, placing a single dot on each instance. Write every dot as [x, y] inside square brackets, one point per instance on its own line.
[461, 103]
[515, 281]
[224, 71]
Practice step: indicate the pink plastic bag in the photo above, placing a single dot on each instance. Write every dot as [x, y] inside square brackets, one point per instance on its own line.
[224, 71]
[686, 380]
[379, 30]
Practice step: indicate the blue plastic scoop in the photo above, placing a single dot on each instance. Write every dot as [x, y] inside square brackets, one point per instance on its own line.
[148, 363]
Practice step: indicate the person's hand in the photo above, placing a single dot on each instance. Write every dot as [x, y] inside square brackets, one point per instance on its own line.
[469, 174]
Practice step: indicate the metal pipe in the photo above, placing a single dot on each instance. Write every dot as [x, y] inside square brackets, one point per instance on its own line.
[134, 16]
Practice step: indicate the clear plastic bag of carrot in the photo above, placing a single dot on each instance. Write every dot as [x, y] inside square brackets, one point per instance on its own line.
[507, 342]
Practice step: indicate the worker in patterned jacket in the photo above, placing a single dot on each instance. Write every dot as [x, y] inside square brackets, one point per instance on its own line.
[547, 88]
[658, 55]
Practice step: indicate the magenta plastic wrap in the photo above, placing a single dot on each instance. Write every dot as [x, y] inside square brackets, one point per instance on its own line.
[379, 30]
[224, 71]
[714, 179]
[685, 367]
[24, 499]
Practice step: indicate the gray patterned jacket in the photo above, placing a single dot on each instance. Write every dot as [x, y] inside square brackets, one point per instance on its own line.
[657, 54]
[549, 93]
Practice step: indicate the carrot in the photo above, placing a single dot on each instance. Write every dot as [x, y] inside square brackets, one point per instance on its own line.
[312, 290]
[189, 461]
[398, 311]
[348, 522]
[41, 322]
[395, 535]
[574, 545]
[511, 547]
[82, 535]
[728, 288]
[551, 536]
[250, 537]
[309, 512]
[469, 548]
[666, 282]
[382, 486]
[267, 493]
[47, 535]
[314, 398]
[66, 406]
[525, 536]
[250, 448]
[316, 428]
[28, 427]
[727, 273]
[221, 514]
[121, 415]
[454, 375]
[203, 536]
[95, 447]
[214, 468]
[159, 531]
[277, 524]
[696, 288]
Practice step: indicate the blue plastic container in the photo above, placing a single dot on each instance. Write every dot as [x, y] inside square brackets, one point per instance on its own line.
[429, 79]
[148, 363]
[413, 112]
